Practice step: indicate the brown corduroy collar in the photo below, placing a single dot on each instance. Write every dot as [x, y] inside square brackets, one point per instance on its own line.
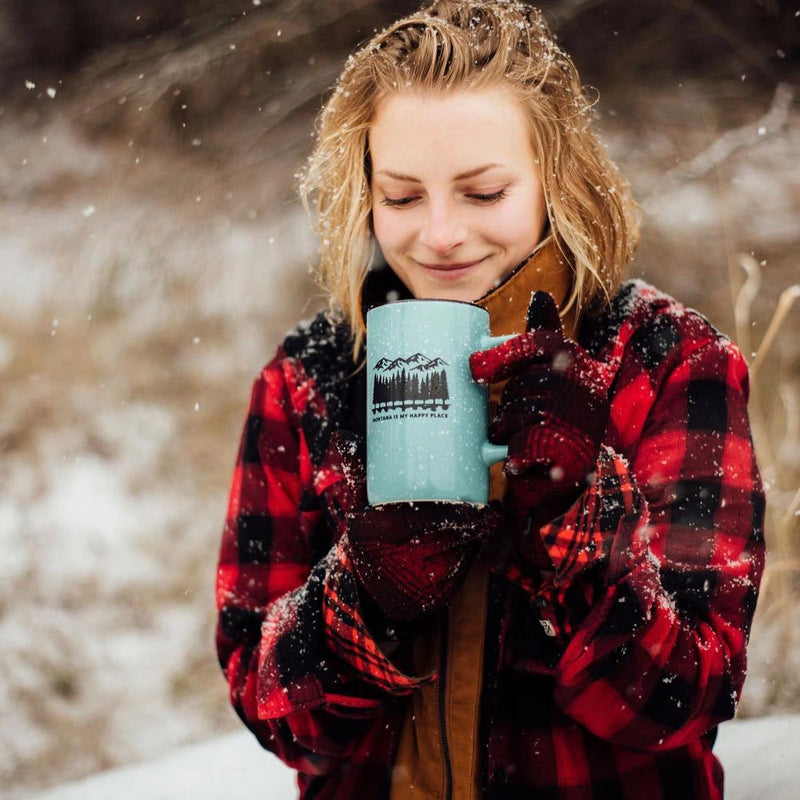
[546, 270]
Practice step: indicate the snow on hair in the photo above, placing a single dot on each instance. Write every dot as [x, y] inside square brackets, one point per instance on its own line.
[450, 45]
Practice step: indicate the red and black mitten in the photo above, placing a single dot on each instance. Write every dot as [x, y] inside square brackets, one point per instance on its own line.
[410, 558]
[552, 414]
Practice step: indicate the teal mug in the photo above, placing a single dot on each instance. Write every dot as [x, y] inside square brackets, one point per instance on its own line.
[426, 418]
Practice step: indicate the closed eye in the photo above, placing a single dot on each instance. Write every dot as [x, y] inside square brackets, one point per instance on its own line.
[488, 198]
[400, 201]
[493, 197]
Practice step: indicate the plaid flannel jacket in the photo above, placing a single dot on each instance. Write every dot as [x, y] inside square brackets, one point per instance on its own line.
[656, 574]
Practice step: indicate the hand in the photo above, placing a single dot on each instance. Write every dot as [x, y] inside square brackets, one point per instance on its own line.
[552, 413]
[412, 557]
[409, 557]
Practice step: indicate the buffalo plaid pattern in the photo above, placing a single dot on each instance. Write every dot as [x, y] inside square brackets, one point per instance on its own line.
[604, 677]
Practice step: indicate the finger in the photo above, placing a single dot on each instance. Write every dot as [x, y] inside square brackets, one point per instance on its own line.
[349, 448]
[513, 355]
[536, 466]
[561, 456]
[526, 400]
[543, 313]
[348, 445]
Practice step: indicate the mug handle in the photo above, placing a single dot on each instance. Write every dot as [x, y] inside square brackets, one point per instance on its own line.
[492, 453]
[493, 341]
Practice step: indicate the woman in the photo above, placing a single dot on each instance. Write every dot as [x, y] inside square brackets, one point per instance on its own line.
[582, 635]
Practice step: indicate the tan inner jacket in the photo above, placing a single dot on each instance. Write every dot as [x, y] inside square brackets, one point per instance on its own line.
[419, 772]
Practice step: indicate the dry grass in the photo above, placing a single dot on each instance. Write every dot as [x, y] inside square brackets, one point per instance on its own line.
[775, 421]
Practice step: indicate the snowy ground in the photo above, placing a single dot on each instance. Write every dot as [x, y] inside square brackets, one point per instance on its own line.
[759, 757]
[139, 295]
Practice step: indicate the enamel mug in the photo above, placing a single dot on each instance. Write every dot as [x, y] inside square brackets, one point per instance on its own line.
[426, 418]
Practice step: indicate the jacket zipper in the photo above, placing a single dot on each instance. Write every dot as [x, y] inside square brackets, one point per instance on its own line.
[448, 770]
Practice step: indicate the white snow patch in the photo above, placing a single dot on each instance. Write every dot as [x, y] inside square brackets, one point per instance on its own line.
[87, 522]
[231, 766]
[758, 756]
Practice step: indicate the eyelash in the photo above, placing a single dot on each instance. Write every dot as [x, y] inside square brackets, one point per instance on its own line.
[481, 198]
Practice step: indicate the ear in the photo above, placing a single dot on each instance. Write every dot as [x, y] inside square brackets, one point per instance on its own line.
[543, 313]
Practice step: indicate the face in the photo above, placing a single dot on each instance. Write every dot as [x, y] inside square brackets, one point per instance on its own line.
[457, 196]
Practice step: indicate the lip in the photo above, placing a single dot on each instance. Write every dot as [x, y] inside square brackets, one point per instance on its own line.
[452, 269]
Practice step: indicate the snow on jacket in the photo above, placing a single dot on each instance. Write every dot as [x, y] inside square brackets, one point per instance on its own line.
[610, 684]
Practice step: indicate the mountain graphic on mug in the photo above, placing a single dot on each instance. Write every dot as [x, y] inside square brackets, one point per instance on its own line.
[417, 382]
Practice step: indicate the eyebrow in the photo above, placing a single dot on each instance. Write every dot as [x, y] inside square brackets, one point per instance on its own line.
[471, 173]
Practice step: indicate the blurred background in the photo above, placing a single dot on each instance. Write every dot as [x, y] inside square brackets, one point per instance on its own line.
[153, 253]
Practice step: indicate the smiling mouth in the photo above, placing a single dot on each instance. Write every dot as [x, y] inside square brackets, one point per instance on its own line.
[461, 266]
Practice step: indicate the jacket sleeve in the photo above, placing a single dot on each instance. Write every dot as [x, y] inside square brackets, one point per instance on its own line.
[305, 674]
[657, 565]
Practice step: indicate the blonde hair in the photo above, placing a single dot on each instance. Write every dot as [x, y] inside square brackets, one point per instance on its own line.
[470, 45]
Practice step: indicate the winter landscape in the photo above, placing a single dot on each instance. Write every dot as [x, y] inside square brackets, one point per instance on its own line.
[152, 255]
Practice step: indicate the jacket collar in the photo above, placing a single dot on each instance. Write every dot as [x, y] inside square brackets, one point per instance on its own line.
[546, 269]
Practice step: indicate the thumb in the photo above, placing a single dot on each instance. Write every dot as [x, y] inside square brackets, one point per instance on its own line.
[345, 450]
[543, 313]
[344, 457]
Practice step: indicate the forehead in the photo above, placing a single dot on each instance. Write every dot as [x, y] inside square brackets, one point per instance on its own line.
[438, 130]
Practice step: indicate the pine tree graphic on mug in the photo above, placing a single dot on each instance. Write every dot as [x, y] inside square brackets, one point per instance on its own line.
[417, 382]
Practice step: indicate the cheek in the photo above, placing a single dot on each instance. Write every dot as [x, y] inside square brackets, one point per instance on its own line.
[385, 228]
[521, 222]
[515, 226]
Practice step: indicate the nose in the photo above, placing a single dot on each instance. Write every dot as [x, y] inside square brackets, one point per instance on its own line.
[443, 228]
